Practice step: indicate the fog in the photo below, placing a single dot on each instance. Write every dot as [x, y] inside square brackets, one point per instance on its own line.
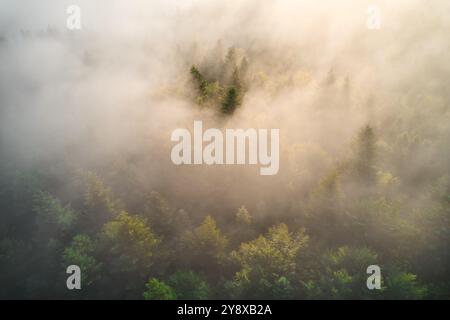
[109, 95]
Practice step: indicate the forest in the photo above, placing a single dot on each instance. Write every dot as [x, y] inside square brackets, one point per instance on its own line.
[86, 177]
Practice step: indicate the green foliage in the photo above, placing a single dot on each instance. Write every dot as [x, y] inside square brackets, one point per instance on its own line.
[161, 215]
[243, 216]
[380, 224]
[329, 186]
[385, 200]
[158, 290]
[130, 243]
[17, 190]
[404, 286]
[201, 83]
[282, 289]
[208, 239]
[366, 154]
[100, 204]
[99, 196]
[230, 102]
[242, 229]
[81, 252]
[122, 257]
[343, 275]
[266, 264]
[325, 212]
[189, 286]
[206, 245]
[52, 218]
[224, 89]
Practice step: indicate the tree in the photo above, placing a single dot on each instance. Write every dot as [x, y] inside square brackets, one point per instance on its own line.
[169, 224]
[226, 88]
[343, 275]
[379, 222]
[100, 204]
[164, 218]
[244, 68]
[128, 248]
[201, 84]
[189, 285]
[17, 189]
[366, 155]
[160, 214]
[205, 246]
[326, 217]
[243, 216]
[98, 195]
[229, 66]
[130, 241]
[267, 264]
[403, 285]
[158, 290]
[230, 101]
[433, 222]
[81, 252]
[53, 220]
[207, 91]
[54, 224]
[241, 229]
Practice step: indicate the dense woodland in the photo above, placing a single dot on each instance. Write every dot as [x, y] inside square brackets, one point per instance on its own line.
[364, 175]
[132, 243]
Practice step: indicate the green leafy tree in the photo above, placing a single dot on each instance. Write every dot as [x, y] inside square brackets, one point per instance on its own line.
[343, 275]
[432, 221]
[17, 189]
[54, 224]
[242, 228]
[267, 264]
[205, 247]
[381, 224]
[53, 220]
[82, 252]
[100, 204]
[189, 285]
[169, 224]
[404, 286]
[128, 248]
[158, 290]
[130, 241]
[164, 218]
[243, 216]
